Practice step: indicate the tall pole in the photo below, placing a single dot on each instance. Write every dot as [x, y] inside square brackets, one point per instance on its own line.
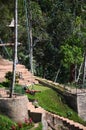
[30, 37]
[15, 47]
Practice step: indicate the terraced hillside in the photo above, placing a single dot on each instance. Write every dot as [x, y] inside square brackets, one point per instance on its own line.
[26, 78]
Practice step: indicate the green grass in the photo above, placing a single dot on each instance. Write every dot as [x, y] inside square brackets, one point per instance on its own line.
[8, 124]
[5, 123]
[54, 102]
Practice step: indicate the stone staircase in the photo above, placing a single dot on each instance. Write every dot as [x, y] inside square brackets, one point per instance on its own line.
[35, 112]
[25, 78]
[52, 121]
[55, 120]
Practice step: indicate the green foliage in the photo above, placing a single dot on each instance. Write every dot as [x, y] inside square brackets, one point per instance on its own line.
[8, 124]
[1, 85]
[9, 76]
[19, 89]
[56, 25]
[5, 123]
[5, 84]
[69, 53]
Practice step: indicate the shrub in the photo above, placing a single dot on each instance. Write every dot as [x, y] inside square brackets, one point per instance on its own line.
[9, 76]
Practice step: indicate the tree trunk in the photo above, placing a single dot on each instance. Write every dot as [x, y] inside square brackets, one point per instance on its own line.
[72, 73]
[84, 68]
[79, 73]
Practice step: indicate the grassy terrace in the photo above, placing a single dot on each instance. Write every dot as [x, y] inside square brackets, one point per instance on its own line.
[52, 101]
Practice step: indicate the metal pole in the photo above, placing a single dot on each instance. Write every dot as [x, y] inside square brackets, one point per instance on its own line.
[15, 47]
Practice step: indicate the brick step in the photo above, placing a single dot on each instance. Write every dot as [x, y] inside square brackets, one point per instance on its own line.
[5, 68]
[26, 77]
[26, 82]
[25, 72]
[20, 65]
[6, 65]
[72, 123]
[9, 67]
[32, 108]
[69, 123]
[21, 69]
[35, 113]
[5, 71]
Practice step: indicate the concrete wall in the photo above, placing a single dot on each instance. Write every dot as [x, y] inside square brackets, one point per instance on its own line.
[78, 103]
[36, 117]
[15, 108]
[81, 105]
[71, 100]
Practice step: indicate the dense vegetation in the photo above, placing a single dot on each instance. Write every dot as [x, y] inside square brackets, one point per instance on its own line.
[58, 33]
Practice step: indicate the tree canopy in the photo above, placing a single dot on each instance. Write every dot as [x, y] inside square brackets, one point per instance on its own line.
[58, 33]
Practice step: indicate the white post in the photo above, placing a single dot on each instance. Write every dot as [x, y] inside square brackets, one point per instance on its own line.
[15, 47]
[30, 36]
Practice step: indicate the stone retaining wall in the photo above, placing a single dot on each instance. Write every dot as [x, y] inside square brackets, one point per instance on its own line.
[56, 122]
[71, 100]
[81, 105]
[15, 108]
[76, 101]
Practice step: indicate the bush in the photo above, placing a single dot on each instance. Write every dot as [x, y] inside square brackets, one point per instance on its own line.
[9, 76]
[5, 84]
